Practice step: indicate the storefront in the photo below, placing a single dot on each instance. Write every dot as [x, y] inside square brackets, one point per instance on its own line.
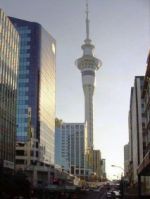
[144, 177]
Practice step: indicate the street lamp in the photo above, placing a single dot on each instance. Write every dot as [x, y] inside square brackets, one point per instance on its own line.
[122, 179]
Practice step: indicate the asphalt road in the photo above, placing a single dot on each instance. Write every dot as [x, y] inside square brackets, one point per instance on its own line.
[95, 195]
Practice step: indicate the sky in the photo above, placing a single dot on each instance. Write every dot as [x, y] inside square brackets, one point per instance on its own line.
[120, 31]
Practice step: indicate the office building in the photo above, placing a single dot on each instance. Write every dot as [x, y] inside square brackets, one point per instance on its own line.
[9, 45]
[144, 166]
[61, 147]
[130, 167]
[126, 159]
[36, 92]
[97, 164]
[103, 169]
[136, 118]
[69, 146]
[88, 65]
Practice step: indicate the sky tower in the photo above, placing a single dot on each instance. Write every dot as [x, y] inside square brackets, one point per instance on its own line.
[88, 64]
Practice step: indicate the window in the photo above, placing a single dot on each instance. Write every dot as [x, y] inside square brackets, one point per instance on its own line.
[19, 161]
[88, 72]
[20, 152]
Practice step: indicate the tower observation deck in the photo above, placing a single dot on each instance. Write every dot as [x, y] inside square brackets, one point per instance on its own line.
[88, 65]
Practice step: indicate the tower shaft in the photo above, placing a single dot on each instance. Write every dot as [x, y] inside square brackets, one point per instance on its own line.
[88, 64]
[88, 96]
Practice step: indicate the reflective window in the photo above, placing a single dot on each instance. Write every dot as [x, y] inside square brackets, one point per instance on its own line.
[9, 46]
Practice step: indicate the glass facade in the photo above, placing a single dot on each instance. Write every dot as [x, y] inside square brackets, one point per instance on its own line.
[36, 88]
[9, 47]
[47, 97]
[23, 84]
[27, 80]
[69, 145]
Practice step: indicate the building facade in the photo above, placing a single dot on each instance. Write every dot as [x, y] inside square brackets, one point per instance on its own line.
[88, 65]
[130, 164]
[126, 159]
[144, 166]
[69, 147]
[97, 163]
[139, 152]
[136, 118]
[103, 169]
[61, 147]
[9, 47]
[36, 89]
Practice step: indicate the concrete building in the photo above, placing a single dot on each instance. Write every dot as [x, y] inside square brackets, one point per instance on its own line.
[139, 151]
[130, 164]
[103, 169]
[93, 159]
[36, 93]
[9, 46]
[97, 163]
[144, 166]
[88, 64]
[126, 159]
[69, 148]
[136, 119]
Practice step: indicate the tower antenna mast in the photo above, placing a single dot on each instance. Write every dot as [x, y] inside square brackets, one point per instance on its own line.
[87, 21]
[88, 65]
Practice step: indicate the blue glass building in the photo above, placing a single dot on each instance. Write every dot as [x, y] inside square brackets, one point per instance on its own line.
[36, 88]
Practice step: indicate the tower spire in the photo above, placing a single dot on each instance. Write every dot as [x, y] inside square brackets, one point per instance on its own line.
[88, 65]
[87, 20]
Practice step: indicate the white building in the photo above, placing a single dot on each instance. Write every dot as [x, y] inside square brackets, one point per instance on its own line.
[103, 169]
[88, 64]
[136, 118]
[126, 159]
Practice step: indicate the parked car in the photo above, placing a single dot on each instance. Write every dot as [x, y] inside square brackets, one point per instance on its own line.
[96, 190]
[108, 194]
[116, 194]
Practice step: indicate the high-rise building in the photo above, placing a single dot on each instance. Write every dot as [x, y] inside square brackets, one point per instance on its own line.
[36, 90]
[93, 163]
[97, 163]
[61, 146]
[126, 159]
[130, 167]
[136, 118]
[69, 146]
[88, 64]
[103, 169]
[139, 150]
[143, 170]
[9, 45]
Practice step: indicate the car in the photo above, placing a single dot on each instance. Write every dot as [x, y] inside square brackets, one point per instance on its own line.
[115, 194]
[108, 194]
[96, 190]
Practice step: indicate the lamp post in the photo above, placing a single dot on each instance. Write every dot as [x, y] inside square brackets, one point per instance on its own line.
[122, 188]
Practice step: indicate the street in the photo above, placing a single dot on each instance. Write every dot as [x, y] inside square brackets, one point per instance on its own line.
[95, 195]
